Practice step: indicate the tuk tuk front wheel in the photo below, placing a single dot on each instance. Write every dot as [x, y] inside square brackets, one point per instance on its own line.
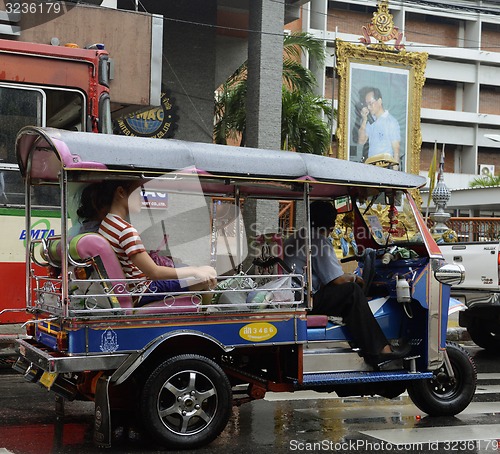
[443, 395]
[186, 402]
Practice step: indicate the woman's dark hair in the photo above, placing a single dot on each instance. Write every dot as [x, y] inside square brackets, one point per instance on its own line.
[323, 214]
[96, 198]
[87, 209]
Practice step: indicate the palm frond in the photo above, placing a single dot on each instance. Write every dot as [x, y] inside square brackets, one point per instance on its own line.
[485, 182]
[302, 126]
[297, 77]
[295, 44]
[298, 119]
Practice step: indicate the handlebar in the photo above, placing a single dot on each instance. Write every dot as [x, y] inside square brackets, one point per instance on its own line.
[359, 257]
[33, 256]
[387, 255]
[351, 258]
[45, 254]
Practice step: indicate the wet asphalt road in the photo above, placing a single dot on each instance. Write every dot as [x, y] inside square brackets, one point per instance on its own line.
[282, 423]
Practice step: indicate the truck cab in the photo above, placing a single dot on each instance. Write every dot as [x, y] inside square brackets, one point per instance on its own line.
[480, 290]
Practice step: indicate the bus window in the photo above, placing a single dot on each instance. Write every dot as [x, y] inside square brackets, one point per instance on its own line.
[35, 106]
[18, 107]
[65, 109]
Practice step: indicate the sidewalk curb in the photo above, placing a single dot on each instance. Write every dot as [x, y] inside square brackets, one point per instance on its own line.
[8, 335]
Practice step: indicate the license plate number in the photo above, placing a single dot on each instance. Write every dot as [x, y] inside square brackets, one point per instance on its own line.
[48, 379]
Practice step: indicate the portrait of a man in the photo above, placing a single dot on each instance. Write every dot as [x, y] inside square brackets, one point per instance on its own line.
[378, 127]
[378, 116]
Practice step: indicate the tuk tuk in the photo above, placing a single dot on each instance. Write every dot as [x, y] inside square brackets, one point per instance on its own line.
[178, 364]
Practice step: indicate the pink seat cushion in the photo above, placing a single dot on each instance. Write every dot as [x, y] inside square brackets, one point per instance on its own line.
[317, 321]
[92, 244]
[89, 245]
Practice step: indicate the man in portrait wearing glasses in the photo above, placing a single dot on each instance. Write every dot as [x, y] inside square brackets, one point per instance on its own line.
[378, 127]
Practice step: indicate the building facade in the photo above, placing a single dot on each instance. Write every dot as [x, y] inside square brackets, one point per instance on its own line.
[461, 94]
[185, 48]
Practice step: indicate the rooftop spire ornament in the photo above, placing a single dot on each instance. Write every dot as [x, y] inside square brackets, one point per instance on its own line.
[441, 196]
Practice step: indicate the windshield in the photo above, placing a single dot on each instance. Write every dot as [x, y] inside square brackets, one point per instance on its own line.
[389, 217]
[176, 217]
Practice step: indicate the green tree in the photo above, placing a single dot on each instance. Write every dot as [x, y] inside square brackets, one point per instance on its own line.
[230, 103]
[302, 126]
[485, 182]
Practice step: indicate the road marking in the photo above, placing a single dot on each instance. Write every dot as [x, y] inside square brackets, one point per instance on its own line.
[487, 389]
[488, 376]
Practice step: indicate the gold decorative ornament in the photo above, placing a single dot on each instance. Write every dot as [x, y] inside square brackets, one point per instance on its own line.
[382, 27]
[450, 236]
[399, 77]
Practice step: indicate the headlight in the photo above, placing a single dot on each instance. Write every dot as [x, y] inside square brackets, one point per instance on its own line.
[450, 274]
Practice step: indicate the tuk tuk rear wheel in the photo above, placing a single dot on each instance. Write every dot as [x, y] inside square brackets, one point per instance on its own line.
[442, 395]
[186, 402]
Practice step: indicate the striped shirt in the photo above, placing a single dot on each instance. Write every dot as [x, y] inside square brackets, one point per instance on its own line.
[125, 241]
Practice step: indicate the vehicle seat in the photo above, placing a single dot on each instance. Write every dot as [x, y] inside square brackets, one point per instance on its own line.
[105, 265]
[271, 263]
[271, 247]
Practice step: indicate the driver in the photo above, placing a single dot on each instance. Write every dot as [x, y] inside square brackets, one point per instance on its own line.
[336, 293]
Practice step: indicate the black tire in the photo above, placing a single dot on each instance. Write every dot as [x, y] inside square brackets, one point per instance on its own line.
[186, 402]
[484, 336]
[441, 395]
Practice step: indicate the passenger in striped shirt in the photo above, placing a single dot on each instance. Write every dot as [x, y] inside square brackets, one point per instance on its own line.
[119, 197]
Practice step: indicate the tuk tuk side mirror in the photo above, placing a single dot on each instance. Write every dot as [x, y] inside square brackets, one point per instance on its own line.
[450, 274]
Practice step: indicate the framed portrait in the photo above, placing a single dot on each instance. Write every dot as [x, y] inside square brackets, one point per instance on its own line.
[380, 92]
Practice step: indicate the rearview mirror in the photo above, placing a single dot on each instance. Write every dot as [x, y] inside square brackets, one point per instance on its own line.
[450, 274]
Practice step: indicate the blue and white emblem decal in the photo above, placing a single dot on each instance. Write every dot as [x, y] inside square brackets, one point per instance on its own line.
[109, 341]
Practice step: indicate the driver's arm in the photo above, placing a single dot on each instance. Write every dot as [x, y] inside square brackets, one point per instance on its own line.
[346, 278]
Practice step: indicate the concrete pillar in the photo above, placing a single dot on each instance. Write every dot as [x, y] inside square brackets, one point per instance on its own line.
[189, 64]
[319, 14]
[471, 104]
[318, 21]
[399, 18]
[265, 69]
[472, 33]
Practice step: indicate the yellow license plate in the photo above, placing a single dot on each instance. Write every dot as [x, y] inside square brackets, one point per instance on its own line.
[48, 379]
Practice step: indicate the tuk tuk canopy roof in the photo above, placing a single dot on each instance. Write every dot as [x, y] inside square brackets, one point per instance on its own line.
[53, 150]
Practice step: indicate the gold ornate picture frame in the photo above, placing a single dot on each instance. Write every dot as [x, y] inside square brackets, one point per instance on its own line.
[398, 76]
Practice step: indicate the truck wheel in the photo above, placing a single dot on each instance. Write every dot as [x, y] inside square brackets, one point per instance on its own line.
[484, 337]
[186, 402]
[442, 395]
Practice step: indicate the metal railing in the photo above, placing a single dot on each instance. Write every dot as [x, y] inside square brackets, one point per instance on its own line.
[473, 229]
